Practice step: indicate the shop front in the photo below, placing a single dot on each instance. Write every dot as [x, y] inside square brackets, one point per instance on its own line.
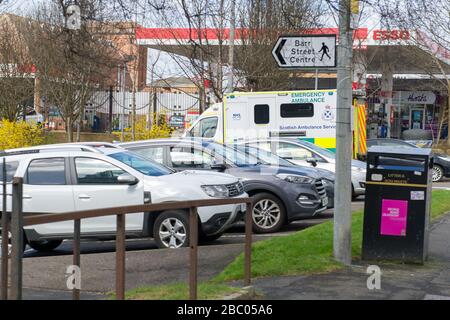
[415, 110]
[409, 110]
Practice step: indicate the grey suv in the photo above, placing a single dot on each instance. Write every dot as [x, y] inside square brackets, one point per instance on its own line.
[282, 194]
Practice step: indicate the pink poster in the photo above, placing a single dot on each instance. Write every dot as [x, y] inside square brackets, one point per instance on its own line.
[393, 217]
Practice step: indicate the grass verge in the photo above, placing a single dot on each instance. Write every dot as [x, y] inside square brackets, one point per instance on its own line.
[304, 252]
[310, 250]
[180, 291]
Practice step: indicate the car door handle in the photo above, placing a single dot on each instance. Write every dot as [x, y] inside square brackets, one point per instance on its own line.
[84, 197]
[27, 197]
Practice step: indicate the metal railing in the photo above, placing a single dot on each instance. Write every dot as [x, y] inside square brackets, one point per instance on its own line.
[19, 220]
[4, 243]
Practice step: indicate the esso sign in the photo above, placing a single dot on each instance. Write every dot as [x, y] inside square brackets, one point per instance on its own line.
[381, 35]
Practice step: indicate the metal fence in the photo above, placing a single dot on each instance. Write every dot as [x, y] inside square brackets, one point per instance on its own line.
[17, 220]
[115, 108]
[166, 102]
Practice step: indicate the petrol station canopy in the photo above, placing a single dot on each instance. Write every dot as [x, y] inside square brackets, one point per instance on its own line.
[405, 51]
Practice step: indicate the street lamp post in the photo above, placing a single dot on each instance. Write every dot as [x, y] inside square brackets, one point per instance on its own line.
[342, 216]
[230, 85]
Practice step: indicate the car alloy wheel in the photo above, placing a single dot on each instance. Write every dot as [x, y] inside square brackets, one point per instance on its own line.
[9, 244]
[437, 173]
[172, 233]
[266, 214]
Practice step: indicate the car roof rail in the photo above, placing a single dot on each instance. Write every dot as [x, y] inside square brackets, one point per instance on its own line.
[50, 148]
[70, 148]
[92, 144]
[4, 153]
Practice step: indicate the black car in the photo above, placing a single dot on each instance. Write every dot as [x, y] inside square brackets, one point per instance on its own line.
[441, 166]
[281, 194]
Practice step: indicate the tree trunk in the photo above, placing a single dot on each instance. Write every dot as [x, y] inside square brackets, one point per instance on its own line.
[202, 99]
[77, 139]
[133, 115]
[69, 129]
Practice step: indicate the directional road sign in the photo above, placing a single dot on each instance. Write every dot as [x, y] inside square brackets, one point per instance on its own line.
[305, 51]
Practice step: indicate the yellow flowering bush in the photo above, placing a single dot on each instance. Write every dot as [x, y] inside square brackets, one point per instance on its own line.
[143, 133]
[19, 134]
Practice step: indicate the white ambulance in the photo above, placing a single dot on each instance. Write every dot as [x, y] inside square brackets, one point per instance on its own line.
[310, 115]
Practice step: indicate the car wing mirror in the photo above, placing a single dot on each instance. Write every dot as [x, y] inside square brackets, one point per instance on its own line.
[128, 179]
[312, 161]
[221, 167]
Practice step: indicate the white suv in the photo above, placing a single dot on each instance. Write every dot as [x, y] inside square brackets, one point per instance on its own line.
[72, 180]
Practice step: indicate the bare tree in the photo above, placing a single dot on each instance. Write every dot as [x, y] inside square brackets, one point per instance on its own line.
[203, 56]
[71, 63]
[429, 22]
[262, 21]
[16, 83]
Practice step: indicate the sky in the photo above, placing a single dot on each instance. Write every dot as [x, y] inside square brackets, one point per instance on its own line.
[18, 6]
[165, 67]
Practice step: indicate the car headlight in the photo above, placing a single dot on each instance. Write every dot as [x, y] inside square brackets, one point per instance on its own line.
[216, 191]
[293, 178]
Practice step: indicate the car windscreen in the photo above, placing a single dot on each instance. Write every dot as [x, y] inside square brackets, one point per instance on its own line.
[143, 165]
[321, 151]
[267, 157]
[234, 155]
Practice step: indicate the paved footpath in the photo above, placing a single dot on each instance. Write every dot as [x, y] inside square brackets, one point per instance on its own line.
[430, 282]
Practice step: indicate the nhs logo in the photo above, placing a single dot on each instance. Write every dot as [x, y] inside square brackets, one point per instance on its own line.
[236, 116]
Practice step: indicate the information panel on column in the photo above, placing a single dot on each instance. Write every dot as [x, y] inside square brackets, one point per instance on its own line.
[305, 52]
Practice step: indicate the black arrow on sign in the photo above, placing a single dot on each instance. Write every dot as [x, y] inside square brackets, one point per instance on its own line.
[278, 52]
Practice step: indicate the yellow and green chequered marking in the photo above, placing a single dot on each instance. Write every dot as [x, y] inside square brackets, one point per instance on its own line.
[327, 143]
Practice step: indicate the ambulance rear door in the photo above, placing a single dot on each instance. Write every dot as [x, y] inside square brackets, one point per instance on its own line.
[235, 118]
[263, 116]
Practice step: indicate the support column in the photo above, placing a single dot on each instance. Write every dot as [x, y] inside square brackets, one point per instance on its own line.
[360, 94]
[387, 87]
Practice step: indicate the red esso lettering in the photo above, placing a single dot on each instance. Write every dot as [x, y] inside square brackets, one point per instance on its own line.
[385, 35]
[391, 35]
[394, 35]
[376, 35]
[404, 35]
